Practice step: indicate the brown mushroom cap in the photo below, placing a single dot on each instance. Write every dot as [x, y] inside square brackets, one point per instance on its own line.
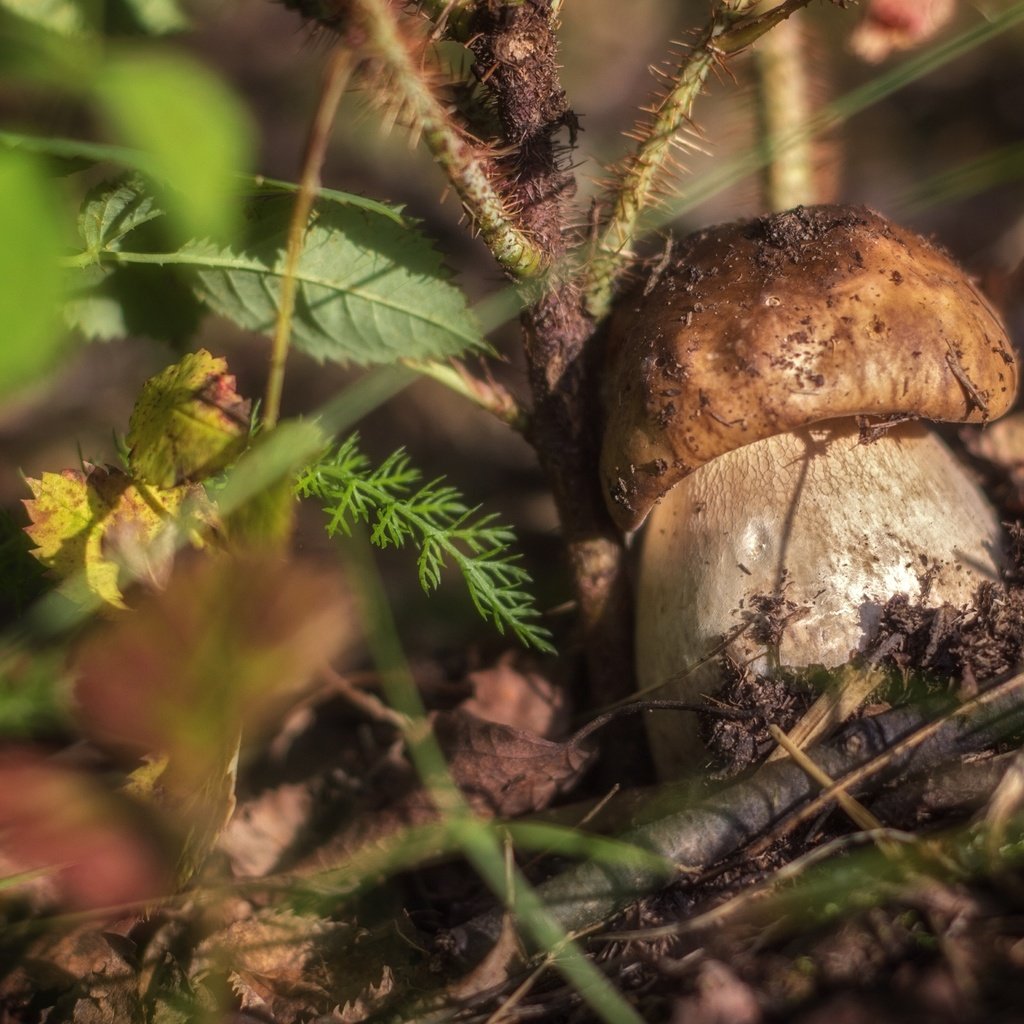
[761, 327]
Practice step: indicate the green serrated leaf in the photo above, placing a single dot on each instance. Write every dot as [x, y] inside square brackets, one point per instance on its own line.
[193, 129]
[138, 301]
[64, 16]
[31, 244]
[188, 423]
[112, 210]
[370, 290]
[90, 526]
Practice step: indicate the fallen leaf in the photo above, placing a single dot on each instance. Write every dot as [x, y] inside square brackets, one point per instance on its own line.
[188, 423]
[522, 700]
[268, 960]
[265, 827]
[506, 771]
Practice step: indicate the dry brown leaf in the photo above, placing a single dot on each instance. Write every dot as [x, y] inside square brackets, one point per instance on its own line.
[506, 771]
[269, 962]
[91, 973]
[265, 826]
[522, 700]
[357, 1010]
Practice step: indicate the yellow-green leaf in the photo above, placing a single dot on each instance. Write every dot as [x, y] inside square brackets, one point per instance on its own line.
[189, 422]
[90, 527]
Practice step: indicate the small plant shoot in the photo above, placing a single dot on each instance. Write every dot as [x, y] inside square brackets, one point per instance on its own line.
[393, 500]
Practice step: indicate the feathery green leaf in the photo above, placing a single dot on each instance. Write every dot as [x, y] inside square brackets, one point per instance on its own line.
[398, 507]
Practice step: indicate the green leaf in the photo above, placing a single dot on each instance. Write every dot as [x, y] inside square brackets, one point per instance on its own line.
[31, 243]
[33, 691]
[369, 290]
[109, 302]
[399, 507]
[64, 16]
[132, 301]
[90, 526]
[112, 210]
[193, 129]
[188, 423]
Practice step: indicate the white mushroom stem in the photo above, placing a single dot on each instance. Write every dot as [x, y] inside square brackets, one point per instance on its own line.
[834, 526]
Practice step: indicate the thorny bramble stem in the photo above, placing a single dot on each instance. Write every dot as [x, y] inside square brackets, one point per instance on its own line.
[514, 250]
[730, 29]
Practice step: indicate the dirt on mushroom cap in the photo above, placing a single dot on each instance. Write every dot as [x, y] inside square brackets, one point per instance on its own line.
[761, 327]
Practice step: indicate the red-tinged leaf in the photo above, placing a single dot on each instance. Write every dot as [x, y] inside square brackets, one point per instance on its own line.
[189, 422]
[96, 846]
[893, 25]
[91, 527]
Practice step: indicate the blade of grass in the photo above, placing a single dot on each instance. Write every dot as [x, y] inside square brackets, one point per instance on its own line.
[478, 841]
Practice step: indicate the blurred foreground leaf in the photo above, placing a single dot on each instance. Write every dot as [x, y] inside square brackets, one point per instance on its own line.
[31, 243]
[224, 648]
[157, 17]
[189, 423]
[97, 849]
[194, 131]
[64, 16]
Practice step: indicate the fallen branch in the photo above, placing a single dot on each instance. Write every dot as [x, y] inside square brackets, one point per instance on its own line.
[872, 751]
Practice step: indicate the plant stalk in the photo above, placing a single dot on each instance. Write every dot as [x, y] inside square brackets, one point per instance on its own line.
[784, 110]
[339, 68]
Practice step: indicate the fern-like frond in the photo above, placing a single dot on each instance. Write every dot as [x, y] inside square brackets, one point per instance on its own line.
[398, 507]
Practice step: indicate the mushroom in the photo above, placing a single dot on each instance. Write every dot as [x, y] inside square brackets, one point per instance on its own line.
[761, 397]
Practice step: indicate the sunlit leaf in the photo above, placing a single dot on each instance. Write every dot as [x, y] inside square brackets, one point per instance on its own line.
[157, 17]
[89, 527]
[64, 16]
[189, 423]
[193, 129]
[112, 210]
[31, 243]
[370, 290]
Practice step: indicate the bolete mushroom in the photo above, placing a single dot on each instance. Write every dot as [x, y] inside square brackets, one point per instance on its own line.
[761, 395]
